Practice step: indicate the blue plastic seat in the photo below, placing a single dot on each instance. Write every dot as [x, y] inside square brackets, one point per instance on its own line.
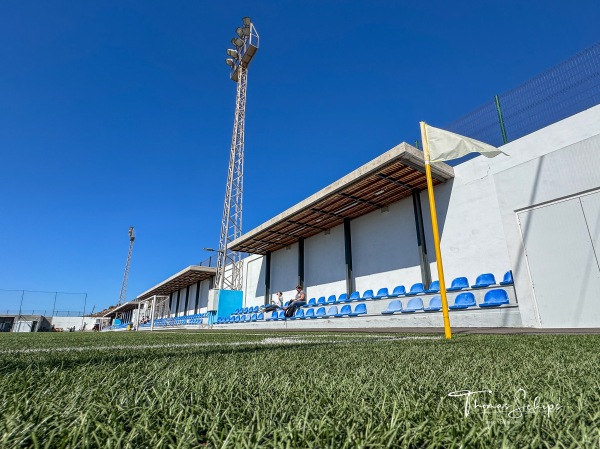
[320, 313]
[333, 310]
[345, 310]
[219, 320]
[238, 318]
[282, 315]
[484, 280]
[434, 287]
[244, 318]
[382, 293]
[256, 309]
[360, 309]
[321, 300]
[299, 314]
[367, 295]
[285, 304]
[508, 278]
[273, 317]
[310, 313]
[398, 291]
[342, 298]
[331, 299]
[464, 300]
[311, 302]
[236, 311]
[354, 296]
[246, 310]
[413, 305]
[458, 284]
[495, 298]
[393, 307]
[435, 304]
[253, 317]
[416, 289]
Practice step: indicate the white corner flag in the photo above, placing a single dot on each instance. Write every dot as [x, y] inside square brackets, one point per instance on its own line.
[444, 145]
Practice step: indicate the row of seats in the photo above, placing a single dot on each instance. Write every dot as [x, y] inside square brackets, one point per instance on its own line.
[241, 318]
[246, 310]
[196, 318]
[345, 311]
[483, 281]
[464, 300]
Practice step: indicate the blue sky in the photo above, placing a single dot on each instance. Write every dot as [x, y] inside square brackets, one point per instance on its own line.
[119, 113]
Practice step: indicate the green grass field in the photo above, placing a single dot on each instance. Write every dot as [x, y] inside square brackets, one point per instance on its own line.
[185, 390]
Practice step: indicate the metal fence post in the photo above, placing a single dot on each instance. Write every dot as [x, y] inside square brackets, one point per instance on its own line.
[500, 119]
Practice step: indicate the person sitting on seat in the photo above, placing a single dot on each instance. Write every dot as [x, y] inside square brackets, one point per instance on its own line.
[274, 304]
[299, 301]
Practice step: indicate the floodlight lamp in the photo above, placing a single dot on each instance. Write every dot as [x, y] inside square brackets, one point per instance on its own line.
[230, 62]
[246, 31]
[233, 53]
[239, 31]
[237, 42]
[246, 21]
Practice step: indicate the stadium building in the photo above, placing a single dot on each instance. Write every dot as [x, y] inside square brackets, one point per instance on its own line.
[523, 229]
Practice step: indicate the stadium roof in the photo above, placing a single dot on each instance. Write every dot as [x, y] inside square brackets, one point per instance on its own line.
[125, 307]
[185, 277]
[377, 184]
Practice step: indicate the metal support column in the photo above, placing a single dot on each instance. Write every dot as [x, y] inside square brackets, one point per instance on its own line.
[196, 301]
[268, 277]
[187, 299]
[301, 262]
[348, 256]
[424, 261]
[177, 303]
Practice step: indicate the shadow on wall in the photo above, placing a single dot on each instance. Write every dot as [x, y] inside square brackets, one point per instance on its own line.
[388, 242]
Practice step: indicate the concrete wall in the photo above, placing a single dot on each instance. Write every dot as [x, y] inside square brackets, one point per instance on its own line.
[66, 322]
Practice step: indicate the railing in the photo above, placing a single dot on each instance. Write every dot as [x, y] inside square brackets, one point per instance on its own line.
[564, 90]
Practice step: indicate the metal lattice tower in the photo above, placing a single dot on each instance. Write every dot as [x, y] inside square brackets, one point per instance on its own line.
[123, 294]
[229, 263]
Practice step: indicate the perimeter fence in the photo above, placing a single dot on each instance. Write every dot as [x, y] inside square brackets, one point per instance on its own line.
[561, 91]
[32, 302]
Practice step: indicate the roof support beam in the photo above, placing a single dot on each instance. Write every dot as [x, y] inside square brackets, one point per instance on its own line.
[307, 225]
[360, 200]
[395, 181]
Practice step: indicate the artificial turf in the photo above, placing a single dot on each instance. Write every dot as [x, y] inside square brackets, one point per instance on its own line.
[247, 389]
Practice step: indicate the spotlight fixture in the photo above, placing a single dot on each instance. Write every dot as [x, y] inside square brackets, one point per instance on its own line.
[247, 21]
[233, 53]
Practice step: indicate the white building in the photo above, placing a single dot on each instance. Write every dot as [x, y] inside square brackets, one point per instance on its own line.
[535, 212]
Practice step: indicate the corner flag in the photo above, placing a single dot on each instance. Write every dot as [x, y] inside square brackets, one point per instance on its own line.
[444, 145]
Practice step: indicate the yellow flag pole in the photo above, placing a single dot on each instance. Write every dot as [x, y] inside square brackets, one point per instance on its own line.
[436, 234]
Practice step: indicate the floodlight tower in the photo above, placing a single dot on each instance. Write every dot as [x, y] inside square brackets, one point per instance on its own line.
[229, 264]
[123, 293]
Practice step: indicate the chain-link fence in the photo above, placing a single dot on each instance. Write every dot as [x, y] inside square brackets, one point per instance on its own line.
[564, 90]
[29, 302]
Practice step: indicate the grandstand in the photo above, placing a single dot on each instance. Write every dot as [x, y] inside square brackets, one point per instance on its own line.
[519, 235]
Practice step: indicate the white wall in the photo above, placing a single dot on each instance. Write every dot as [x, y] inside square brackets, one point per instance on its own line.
[70, 321]
[553, 163]
[384, 248]
[324, 264]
